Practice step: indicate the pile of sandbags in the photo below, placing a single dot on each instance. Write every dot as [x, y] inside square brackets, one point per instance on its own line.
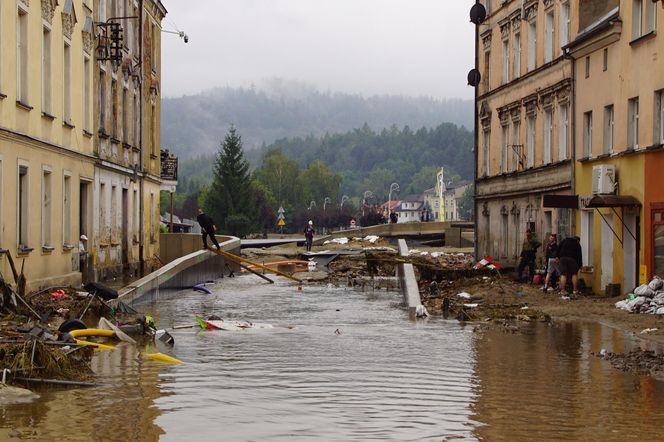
[647, 298]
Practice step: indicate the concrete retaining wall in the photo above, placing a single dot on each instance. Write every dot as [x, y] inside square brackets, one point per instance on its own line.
[182, 272]
[408, 282]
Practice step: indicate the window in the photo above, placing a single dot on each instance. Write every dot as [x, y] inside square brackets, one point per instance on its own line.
[487, 6]
[608, 129]
[66, 88]
[506, 62]
[152, 237]
[564, 24]
[532, 44]
[153, 130]
[22, 56]
[605, 65]
[154, 35]
[637, 17]
[46, 208]
[516, 65]
[659, 116]
[102, 101]
[530, 140]
[548, 130]
[23, 220]
[114, 212]
[87, 94]
[548, 37]
[651, 16]
[114, 108]
[487, 70]
[136, 116]
[588, 67]
[658, 241]
[633, 123]
[563, 131]
[66, 211]
[587, 237]
[503, 149]
[103, 224]
[504, 233]
[46, 70]
[487, 158]
[135, 215]
[587, 134]
[516, 148]
[125, 116]
[102, 10]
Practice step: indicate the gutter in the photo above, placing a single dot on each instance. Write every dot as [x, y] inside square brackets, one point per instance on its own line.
[141, 210]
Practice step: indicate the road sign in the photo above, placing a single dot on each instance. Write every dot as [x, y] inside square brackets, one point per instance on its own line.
[281, 223]
[281, 216]
[281, 210]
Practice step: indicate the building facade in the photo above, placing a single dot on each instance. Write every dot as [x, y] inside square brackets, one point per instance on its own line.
[46, 145]
[619, 136]
[126, 138]
[524, 136]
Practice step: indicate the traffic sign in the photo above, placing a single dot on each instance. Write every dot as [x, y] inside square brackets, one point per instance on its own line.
[281, 223]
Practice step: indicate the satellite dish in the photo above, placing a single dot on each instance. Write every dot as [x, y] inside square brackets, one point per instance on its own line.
[477, 13]
[474, 77]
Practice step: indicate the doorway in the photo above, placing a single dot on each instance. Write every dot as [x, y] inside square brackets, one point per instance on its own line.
[607, 251]
[125, 227]
[83, 227]
[630, 264]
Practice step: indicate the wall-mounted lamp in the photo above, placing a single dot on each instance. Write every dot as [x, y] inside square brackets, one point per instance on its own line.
[181, 34]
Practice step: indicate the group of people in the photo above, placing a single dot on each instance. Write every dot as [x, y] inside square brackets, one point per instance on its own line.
[563, 261]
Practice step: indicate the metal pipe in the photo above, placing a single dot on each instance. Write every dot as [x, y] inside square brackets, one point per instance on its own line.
[476, 139]
[141, 210]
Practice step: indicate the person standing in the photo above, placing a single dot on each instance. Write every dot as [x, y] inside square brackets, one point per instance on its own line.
[528, 253]
[82, 255]
[570, 261]
[309, 235]
[550, 254]
[207, 229]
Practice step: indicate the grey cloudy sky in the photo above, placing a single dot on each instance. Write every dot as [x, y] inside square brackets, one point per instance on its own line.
[409, 47]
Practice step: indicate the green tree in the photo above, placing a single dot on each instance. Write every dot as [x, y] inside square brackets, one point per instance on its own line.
[229, 197]
[467, 203]
[379, 181]
[279, 174]
[318, 182]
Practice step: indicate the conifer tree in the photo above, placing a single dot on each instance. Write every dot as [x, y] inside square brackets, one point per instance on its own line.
[229, 199]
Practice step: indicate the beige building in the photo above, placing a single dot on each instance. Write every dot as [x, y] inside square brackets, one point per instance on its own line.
[46, 145]
[126, 138]
[525, 113]
[619, 140]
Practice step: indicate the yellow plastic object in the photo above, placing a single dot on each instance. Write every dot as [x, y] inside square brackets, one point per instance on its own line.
[96, 345]
[92, 332]
[160, 357]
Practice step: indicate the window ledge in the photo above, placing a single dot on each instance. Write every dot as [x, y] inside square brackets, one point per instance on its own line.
[23, 105]
[644, 37]
[102, 133]
[87, 134]
[153, 156]
[47, 249]
[68, 124]
[114, 140]
[48, 116]
[2, 96]
[115, 244]
[24, 250]
[103, 245]
[68, 246]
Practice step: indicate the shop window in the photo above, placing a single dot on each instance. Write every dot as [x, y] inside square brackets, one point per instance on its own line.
[658, 242]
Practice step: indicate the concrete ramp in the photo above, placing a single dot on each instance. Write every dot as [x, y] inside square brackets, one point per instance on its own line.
[408, 284]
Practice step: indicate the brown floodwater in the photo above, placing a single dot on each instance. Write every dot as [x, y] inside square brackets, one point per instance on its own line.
[380, 377]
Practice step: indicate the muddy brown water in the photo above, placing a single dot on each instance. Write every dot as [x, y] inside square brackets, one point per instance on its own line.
[382, 378]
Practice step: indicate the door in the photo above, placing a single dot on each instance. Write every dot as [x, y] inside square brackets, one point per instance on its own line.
[630, 264]
[83, 227]
[607, 251]
[125, 226]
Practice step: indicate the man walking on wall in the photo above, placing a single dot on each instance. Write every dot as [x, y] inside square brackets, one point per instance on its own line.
[207, 229]
[309, 235]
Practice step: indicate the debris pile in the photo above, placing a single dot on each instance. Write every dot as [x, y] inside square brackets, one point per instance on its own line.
[638, 361]
[647, 298]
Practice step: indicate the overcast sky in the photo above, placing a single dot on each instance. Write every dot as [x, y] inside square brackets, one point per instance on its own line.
[407, 47]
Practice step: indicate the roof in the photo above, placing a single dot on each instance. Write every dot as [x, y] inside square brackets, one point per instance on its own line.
[413, 198]
[598, 201]
[597, 26]
[391, 205]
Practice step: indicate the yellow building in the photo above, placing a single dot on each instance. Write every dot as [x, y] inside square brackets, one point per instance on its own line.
[619, 120]
[46, 146]
[524, 136]
[126, 138]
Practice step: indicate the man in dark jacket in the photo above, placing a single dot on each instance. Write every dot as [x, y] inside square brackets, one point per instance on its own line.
[528, 253]
[570, 261]
[550, 254]
[207, 228]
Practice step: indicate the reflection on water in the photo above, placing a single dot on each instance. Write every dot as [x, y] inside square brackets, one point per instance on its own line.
[382, 378]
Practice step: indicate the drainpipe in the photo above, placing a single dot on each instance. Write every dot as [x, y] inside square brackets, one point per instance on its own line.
[476, 146]
[573, 133]
[141, 211]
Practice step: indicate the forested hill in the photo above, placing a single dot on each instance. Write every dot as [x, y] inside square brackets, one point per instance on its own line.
[195, 125]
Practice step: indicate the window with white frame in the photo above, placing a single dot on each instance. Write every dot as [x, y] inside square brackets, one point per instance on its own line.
[66, 88]
[548, 131]
[135, 213]
[532, 44]
[487, 6]
[487, 70]
[564, 24]
[47, 206]
[659, 116]
[136, 118]
[46, 70]
[651, 16]
[587, 134]
[506, 62]
[503, 148]
[548, 37]
[563, 131]
[608, 129]
[114, 108]
[66, 210]
[633, 122]
[22, 56]
[125, 115]
[516, 148]
[114, 212]
[516, 50]
[23, 207]
[530, 141]
[637, 16]
[587, 238]
[102, 100]
[87, 94]
[103, 223]
[644, 17]
[487, 158]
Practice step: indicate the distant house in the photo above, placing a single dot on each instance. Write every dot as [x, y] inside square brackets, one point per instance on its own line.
[452, 195]
[433, 201]
[410, 209]
[179, 226]
[389, 206]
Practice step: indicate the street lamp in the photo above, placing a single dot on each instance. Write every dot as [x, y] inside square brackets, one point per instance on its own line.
[312, 204]
[394, 187]
[343, 200]
[325, 201]
[367, 194]
[180, 34]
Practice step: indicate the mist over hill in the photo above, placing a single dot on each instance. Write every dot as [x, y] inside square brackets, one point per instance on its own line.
[194, 125]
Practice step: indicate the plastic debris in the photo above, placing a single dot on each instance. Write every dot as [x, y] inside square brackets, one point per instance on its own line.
[463, 295]
[647, 298]
[371, 238]
[648, 330]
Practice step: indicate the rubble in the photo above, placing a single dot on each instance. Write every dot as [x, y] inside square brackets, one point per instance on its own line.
[646, 298]
[638, 361]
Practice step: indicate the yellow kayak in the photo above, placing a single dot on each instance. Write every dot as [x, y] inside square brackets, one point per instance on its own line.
[92, 332]
[160, 357]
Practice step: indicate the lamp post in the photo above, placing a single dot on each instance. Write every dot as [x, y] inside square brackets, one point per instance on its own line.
[394, 187]
[325, 201]
[312, 204]
[367, 194]
[343, 200]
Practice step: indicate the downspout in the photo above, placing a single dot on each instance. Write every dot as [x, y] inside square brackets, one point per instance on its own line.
[573, 131]
[141, 210]
[476, 146]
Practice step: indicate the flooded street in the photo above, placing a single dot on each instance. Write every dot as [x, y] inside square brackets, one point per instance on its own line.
[380, 377]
